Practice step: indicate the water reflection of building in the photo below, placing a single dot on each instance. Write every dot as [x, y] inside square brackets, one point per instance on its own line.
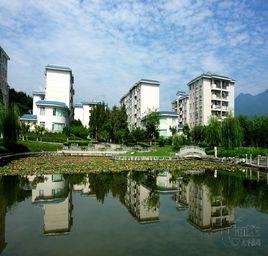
[142, 202]
[54, 196]
[165, 183]
[182, 196]
[2, 227]
[84, 188]
[208, 212]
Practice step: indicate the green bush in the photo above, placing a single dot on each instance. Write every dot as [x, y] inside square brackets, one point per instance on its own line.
[144, 144]
[178, 141]
[161, 141]
[238, 152]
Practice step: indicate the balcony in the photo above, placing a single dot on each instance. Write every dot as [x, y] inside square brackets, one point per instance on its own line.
[216, 97]
[216, 107]
[215, 87]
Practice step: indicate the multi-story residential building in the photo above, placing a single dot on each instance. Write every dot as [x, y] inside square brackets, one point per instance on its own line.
[54, 196]
[210, 95]
[206, 211]
[137, 200]
[181, 106]
[4, 88]
[82, 112]
[53, 108]
[142, 98]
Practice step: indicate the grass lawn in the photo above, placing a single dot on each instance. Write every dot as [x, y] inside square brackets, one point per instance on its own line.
[165, 151]
[37, 146]
[32, 146]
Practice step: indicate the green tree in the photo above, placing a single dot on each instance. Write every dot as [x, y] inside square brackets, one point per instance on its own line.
[198, 134]
[245, 123]
[9, 126]
[138, 134]
[231, 132]
[178, 141]
[186, 131]
[99, 118]
[213, 132]
[151, 125]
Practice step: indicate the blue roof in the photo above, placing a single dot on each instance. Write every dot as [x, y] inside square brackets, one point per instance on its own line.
[150, 81]
[211, 75]
[168, 113]
[80, 105]
[29, 117]
[51, 103]
[54, 67]
[39, 92]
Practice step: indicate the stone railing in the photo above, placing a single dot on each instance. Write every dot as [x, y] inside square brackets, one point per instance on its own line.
[259, 161]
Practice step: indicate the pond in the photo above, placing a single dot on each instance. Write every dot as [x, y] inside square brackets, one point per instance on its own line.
[135, 213]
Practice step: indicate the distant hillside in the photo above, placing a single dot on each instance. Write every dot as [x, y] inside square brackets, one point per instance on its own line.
[22, 100]
[251, 105]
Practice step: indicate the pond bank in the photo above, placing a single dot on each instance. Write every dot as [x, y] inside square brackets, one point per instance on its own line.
[50, 164]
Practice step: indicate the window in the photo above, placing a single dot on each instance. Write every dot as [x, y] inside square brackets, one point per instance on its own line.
[42, 124]
[58, 112]
[54, 111]
[57, 177]
[42, 111]
[57, 127]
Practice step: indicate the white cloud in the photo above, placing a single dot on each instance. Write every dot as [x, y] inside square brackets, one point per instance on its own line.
[111, 44]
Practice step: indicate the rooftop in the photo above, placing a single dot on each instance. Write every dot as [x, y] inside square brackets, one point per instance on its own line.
[81, 104]
[51, 103]
[2, 50]
[147, 81]
[61, 68]
[28, 117]
[39, 92]
[168, 113]
[211, 75]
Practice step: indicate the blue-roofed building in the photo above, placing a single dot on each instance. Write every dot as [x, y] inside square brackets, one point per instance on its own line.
[168, 123]
[53, 107]
[82, 111]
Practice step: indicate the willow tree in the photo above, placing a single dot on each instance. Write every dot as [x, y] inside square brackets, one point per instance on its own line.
[231, 133]
[213, 132]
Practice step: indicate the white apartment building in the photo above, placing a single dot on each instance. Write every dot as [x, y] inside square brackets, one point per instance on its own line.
[4, 88]
[137, 201]
[210, 95]
[82, 112]
[167, 120]
[181, 106]
[53, 108]
[54, 197]
[209, 213]
[142, 98]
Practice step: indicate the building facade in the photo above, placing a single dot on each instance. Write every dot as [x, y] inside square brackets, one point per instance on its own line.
[82, 112]
[168, 120]
[210, 95]
[142, 98]
[181, 106]
[4, 88]
[53, 108]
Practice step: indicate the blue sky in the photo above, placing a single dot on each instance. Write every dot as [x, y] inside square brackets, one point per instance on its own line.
[112, 44]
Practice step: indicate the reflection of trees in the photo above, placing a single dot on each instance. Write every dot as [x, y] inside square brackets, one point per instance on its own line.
[102, 183]
[152, 202]
[11, 190]
[236, 190]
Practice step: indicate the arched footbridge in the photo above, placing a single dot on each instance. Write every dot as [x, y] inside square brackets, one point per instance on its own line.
[191, 152]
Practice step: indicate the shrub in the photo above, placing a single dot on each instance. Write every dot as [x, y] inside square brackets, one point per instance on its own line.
[161, 141]
[179, 141]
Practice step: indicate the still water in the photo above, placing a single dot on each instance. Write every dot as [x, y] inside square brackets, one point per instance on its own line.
[138, 213]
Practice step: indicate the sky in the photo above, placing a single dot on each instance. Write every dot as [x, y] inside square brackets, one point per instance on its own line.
[110, 45]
